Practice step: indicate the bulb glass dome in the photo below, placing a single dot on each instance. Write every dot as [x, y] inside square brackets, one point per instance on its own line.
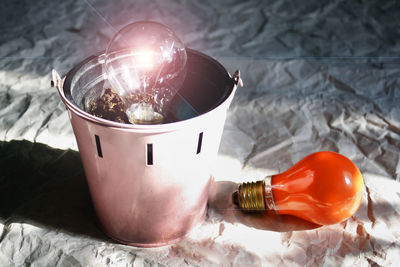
[145, 63]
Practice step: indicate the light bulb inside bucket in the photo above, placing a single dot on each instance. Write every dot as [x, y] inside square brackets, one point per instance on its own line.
[145, 64]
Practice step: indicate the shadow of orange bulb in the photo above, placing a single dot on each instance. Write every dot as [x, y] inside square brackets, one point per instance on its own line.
[324, 188]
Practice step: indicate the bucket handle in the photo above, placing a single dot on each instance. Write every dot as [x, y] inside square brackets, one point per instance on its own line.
[57, 82]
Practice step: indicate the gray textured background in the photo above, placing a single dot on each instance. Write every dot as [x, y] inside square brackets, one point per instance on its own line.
[318, 76]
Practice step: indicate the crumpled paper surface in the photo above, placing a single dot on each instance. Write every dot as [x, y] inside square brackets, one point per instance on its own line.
[318, 76]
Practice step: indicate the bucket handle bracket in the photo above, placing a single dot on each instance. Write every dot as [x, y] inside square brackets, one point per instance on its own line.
[57, 81]
[236, 78]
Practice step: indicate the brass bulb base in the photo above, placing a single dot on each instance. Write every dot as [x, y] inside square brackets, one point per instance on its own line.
[255, 196]
[158, 120]
[250, 196]
[143, 113]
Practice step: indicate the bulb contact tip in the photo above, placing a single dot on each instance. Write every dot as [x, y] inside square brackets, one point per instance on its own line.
[235, 198]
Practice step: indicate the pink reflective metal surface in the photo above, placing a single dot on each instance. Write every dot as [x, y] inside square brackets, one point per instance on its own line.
[138, 203]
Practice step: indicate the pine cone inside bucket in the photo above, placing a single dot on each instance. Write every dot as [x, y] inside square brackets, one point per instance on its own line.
[109, 106]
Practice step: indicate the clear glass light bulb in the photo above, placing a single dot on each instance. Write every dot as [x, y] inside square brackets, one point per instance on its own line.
[145, 63]
[324, 188]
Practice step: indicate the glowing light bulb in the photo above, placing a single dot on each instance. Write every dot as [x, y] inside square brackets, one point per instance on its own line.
[324, 188]
[145, 63]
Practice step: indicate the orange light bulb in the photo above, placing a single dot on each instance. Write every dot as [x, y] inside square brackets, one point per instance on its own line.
[324, 188]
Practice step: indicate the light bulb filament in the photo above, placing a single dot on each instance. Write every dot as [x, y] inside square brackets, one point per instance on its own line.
[168, 54]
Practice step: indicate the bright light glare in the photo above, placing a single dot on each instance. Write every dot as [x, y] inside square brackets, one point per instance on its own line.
[145, 59]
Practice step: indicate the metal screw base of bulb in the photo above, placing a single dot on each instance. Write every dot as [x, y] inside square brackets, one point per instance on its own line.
[159, 120]
[250, 196]
[255, 196]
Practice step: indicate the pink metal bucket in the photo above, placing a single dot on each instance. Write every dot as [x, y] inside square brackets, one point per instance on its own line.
[149, 183]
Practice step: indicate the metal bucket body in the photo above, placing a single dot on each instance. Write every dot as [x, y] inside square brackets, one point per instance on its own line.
[149, 183]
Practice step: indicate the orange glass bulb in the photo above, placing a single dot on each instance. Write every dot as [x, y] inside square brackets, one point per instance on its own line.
[324, 188]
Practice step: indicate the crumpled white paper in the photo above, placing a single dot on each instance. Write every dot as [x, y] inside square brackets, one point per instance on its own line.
[317, 77]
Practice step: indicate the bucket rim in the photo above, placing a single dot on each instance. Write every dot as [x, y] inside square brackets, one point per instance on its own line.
[223, 103]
